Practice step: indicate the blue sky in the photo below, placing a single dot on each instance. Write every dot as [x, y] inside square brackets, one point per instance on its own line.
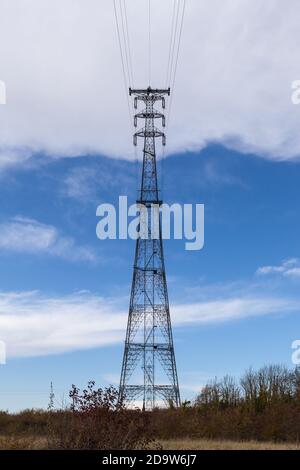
[233, 143]
[228, 315]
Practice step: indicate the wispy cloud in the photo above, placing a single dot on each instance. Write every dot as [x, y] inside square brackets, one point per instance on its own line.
[34, 324]
[89, 183]
[81, 183]
[288, 268]
[21, 234]
[10, 157]
[215, 174]
[233, 308]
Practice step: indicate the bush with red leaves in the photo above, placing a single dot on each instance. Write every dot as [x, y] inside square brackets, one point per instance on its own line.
[97, 420]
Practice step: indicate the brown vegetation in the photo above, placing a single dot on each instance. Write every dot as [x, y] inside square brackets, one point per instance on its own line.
[263, 408]
[264, 405]
[97, 420]
[206, 444]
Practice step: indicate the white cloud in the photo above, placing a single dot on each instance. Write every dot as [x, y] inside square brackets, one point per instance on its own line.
[2, 92]
[80, 183]
[26, 235]
[84, 184]
[61, 64]
[288, 268]
[33, 324]
[232, 309]
[10, 157]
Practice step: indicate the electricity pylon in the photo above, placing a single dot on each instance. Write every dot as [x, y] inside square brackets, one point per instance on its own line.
[149, 342]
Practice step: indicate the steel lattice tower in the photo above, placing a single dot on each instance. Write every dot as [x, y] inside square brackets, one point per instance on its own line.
[149, 342]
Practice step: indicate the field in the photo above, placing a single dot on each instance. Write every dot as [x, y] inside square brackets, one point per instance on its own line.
[205, 444]
[261, 412]
[40, 443]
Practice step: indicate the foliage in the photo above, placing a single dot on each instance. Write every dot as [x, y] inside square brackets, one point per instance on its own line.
[263, 405]
[97, 420]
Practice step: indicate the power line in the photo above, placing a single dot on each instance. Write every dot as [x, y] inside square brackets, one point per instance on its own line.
[128, 42]
[179, 42]
[124, 25]
[174, 65]
[149, 39]
[171, 42]
[176, 9]
[123, 63]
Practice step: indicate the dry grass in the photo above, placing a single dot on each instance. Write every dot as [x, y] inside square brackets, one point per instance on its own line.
[39, 443]
[22, 443]
[205, 444]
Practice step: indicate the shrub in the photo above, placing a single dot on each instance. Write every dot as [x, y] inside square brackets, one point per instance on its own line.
[97, 420]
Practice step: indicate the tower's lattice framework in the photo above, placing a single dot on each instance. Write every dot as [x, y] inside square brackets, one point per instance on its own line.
[149, 342]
